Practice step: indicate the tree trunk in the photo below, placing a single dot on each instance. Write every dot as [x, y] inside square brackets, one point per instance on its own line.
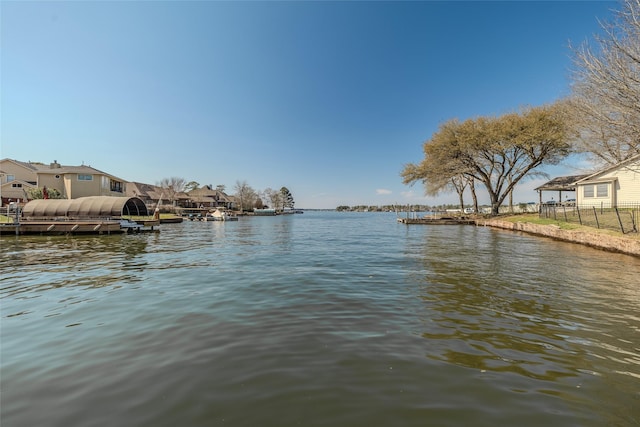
[511, 201]
[495, 204]
[474, 196]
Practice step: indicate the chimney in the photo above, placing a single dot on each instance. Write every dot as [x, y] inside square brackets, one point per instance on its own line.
[54, 165]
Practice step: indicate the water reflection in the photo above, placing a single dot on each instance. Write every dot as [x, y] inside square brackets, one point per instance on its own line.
[512, 306]
[42, 263]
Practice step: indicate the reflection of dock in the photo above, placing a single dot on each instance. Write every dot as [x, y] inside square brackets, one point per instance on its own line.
[438, 220]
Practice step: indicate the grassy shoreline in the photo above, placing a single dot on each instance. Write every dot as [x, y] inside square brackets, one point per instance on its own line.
[606, 240]
[533, 218]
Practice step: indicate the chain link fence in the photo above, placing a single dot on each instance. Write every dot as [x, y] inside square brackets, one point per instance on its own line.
[623, 217]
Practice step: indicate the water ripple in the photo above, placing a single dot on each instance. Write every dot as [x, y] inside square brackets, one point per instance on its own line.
[317, 319]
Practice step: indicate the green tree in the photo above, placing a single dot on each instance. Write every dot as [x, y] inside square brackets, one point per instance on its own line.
[440, 172]
[191, 185]
[497, 152]
[287, 198]
[38, 193]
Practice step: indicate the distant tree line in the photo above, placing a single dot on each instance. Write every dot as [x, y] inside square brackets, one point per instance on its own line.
[247, 198]
[398, 208]
[601, 118]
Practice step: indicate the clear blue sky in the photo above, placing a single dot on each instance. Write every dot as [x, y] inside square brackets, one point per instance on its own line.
[330, 99]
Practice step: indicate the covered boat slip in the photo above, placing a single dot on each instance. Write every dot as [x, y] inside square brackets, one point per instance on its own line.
[86, 215]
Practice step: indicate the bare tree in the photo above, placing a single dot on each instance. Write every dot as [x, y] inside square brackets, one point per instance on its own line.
[245, 194]
[606, 89]
[459, 184]
[258, 204]
[274, 197]
[171, 187]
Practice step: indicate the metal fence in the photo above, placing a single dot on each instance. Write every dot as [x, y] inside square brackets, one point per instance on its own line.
[624, 217]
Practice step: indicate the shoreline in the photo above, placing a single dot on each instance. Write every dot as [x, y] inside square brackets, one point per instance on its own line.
[601, 241]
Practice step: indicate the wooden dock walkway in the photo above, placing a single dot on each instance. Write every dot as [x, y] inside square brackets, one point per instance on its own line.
[74, 227]
[438, 221]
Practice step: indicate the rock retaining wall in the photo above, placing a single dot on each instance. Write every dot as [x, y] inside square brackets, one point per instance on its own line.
[596, 240]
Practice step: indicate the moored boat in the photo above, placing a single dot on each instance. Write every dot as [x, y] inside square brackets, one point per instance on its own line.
[220, 215]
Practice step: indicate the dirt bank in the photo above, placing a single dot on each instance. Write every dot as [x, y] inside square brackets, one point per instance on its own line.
[602, 241]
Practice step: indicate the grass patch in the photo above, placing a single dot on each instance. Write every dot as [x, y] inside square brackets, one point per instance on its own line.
[150, 217]
[535, 219]
[4, 218]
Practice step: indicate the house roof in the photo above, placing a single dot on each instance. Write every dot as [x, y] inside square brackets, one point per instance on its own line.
[631, 160]
[149, 191]
[74, 169]
[207, 192]
[11, 192]
[89, 207]
[57, 169]
[25, 165]
[561, 183]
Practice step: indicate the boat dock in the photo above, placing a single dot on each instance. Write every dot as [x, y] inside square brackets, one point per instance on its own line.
[76, 227]
[438, 221]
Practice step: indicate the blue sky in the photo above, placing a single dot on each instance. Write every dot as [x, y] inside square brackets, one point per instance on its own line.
[330, 99]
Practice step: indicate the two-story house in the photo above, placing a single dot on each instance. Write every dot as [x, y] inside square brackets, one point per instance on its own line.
[72, 182]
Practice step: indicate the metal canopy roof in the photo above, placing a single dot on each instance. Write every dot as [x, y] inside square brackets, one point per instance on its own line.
[86, 207]
[561, 183]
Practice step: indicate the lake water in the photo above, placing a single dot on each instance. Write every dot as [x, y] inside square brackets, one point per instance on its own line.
[325, 318]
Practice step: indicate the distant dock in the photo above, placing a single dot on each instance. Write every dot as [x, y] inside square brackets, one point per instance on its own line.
[438, 221]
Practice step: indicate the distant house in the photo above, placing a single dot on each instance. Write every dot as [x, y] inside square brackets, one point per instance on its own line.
[616, 185]
[154, 194]
[207, 197]
[15, 189]
[149, 194]
[71, 181]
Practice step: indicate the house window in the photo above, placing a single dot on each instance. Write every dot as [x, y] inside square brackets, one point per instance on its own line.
[11, 178]
[602, 190]
[588, 190]
[116, 186]
[16, 185]
[85, 177]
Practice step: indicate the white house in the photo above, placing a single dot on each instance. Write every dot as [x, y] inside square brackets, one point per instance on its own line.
[617, 185]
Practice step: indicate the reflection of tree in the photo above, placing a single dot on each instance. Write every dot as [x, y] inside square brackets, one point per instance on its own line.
[282, 234]
[483, 313]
